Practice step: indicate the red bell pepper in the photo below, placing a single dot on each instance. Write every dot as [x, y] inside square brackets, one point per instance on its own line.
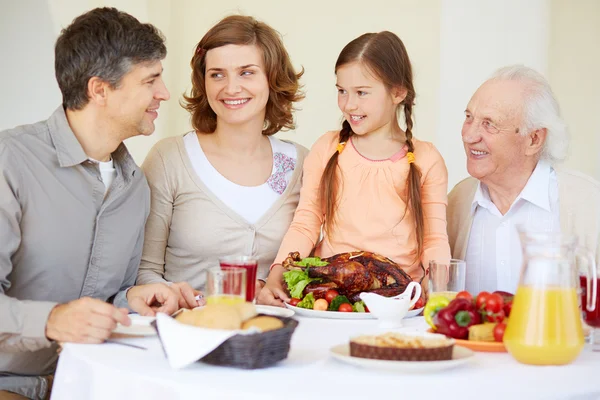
[455, 319]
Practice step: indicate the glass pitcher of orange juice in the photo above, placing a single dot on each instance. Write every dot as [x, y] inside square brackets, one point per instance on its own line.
[544, 327]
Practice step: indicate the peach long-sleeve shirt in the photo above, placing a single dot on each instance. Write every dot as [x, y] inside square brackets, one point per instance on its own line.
[371, 211]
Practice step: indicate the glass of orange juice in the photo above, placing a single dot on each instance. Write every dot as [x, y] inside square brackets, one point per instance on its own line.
[544, 326]
[225, 286]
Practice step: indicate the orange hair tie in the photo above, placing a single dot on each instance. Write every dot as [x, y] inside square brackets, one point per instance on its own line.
[340, 147]
[410, 157]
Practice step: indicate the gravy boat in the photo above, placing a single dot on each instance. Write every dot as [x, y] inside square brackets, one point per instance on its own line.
[391, 310]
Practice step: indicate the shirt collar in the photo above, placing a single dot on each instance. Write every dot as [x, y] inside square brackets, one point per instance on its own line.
[536, 191]
[70, 152]
[481, 198]
[68, 149]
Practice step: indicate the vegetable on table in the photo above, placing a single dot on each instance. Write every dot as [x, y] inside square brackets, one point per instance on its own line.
[307, 302]
[336, 302]
[455, 319]
[320, 305]
[345, 307]
[296, 281]
[499, 332]
[312, 262]
[294, 301]
[359, 306]
[482, 332]
[433, 306]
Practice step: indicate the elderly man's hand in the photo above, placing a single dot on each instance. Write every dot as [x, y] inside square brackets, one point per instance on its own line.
[84, 320]
[153, 298]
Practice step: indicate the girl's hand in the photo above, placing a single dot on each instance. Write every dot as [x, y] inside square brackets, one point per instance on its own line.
[273, 294]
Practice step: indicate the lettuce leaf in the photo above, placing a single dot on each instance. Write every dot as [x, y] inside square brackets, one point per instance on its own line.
[296, 281]
[312, 262]
[359, 306]
[307, 302]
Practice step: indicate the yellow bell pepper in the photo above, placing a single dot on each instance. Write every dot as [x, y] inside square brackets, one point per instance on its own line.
[433, 306]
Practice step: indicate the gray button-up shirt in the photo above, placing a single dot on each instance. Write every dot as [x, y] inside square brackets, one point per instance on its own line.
[60, 237]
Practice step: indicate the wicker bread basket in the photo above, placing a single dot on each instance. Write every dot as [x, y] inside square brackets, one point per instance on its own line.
[254, 351]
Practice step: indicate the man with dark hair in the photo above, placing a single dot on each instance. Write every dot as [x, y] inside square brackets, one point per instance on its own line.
[73, 203]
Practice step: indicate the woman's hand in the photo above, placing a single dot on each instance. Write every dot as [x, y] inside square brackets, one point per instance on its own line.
[273, 294]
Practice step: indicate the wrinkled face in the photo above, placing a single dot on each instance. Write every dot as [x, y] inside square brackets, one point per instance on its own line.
[494, 145]
[237, 87]
[364, 100]
[133, 106]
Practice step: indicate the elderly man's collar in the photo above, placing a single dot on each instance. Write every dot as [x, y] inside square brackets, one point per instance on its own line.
[536, 191]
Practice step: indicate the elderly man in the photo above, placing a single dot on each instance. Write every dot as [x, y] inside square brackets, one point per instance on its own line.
[514, 139]
[73, 204]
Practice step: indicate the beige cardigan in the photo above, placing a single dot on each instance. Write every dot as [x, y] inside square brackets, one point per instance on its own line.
[579, 211]
[189, 228]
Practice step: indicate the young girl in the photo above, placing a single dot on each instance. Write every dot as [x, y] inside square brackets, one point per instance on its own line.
[370, 186]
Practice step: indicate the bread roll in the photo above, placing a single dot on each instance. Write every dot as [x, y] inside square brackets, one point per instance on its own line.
[246, 310]
[213, 316]
[264, 323]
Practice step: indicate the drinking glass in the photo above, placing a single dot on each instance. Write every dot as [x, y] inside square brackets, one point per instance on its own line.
[447, 277]
[225, 286]
[590, 304]
[250, 264]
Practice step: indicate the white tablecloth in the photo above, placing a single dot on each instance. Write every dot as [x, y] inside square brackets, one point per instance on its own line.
[110, 371]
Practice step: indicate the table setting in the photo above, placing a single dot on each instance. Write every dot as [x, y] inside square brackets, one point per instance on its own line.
[533, 344]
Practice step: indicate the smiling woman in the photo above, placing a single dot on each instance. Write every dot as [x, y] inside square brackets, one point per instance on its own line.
[228, 187]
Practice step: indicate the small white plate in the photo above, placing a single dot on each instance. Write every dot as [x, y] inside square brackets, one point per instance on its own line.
[305, 312]
[140, 326]
[461, 355]
[275, 311]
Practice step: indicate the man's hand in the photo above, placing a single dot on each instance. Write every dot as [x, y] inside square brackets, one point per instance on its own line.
[152, 298]
[84, 320]
[187, 295]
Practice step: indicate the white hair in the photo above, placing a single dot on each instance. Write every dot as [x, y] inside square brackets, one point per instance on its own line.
[541, 110]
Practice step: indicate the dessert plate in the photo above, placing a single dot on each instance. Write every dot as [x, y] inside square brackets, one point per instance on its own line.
[140, 326]
[460, 356]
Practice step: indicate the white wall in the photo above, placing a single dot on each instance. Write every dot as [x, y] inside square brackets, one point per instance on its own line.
[30, 92]
[314, 42]
[477, 37]
[574, 73]
[454, 45]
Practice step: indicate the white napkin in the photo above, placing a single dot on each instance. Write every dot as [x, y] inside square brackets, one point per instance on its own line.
[186, 344]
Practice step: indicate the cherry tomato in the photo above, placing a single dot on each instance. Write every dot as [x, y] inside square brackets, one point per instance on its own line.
[367, 308]
[494, 303]
[508, 308]
[294, 301]
[330, 295]
[345, 307]
[495, 317]
[420, 303]
[321, 305]
[499, 332]
[481, 299]
[464, 295]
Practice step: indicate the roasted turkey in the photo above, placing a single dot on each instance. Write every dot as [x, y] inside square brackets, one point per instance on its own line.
[352, 273]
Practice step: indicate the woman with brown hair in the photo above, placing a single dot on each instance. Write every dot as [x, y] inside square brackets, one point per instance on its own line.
[371, 186]
[228, 187]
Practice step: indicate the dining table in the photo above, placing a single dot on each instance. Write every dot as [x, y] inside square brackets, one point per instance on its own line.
[310, 372]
